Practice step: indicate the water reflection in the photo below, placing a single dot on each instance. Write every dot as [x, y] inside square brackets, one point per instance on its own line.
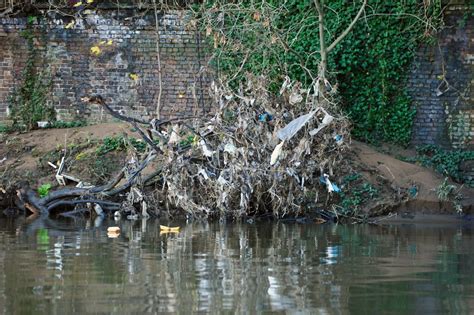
[65, 267]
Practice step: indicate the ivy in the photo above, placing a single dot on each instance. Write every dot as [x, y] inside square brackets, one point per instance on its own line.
[373, 79]
[29, 102]
[370, 65]
[356, 192]
[446, 162]
[119, 143]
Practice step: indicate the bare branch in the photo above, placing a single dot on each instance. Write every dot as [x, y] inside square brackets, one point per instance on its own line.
[348, 29]
[158, 56]
[322, 42]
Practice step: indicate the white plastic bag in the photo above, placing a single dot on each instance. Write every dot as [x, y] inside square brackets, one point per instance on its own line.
[294, 126]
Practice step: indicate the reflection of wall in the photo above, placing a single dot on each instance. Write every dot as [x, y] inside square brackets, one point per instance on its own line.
[217, 268]
[78, 72]
[3, 309]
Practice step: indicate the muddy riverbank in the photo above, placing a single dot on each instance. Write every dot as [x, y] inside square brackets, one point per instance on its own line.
[377, 183]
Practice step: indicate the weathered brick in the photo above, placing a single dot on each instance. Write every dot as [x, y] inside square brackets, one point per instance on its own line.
[431, 125]
[77, 72]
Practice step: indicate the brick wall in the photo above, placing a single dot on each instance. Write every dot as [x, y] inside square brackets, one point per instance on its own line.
[444, 116]
[127, 43]
[445, 109]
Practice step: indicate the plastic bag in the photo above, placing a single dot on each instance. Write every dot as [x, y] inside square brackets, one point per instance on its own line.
[294, 126]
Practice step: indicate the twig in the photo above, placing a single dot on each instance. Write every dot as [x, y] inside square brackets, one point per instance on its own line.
[158, 56]
[348, 29]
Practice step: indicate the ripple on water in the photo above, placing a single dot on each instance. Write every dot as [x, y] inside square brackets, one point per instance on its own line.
[70, 267]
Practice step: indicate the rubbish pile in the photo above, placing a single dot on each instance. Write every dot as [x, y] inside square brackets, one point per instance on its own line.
[261, 153]
[258, 154]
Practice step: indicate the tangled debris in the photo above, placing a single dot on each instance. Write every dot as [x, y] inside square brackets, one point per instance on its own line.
[258, 154]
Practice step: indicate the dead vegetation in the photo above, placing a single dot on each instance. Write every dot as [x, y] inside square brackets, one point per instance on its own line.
[258, 154]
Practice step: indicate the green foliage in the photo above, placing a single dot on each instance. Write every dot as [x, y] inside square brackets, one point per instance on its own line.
[44, 189]
[188, 140]
[118, 143]
[111, 144]
[5, 129]
[355, 196]
[445, 190]
[446, 162]
[470, 12]
[28, 103]
[355, 192]
[67, 124]
[370, 64]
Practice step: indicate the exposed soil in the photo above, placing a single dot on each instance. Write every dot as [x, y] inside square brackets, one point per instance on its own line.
[25, 156]
[407, 175]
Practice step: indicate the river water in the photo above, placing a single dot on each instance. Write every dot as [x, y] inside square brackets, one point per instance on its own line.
[63, 267]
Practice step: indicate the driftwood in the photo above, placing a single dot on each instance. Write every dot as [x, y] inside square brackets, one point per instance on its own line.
[73, 196]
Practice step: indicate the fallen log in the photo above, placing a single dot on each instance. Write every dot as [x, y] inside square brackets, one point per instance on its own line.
[72, 196]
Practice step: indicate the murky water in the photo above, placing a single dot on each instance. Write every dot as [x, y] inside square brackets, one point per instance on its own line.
[63, 267]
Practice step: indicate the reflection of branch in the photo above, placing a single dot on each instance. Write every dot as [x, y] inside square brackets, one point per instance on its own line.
[105, 204]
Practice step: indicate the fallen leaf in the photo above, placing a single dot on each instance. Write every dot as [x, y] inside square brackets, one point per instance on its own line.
[70, 24]
[78, 4]
[113, 229]
[95, 50]
[256, 16]
[133, 76]
[169, 229]
[276, 153]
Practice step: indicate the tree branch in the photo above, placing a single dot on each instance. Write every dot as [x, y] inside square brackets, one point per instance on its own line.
[322, 43]
[158, 56]
[348, 29]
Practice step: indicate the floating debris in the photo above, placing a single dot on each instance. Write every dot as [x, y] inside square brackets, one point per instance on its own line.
[113, 231]
[169, 229]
